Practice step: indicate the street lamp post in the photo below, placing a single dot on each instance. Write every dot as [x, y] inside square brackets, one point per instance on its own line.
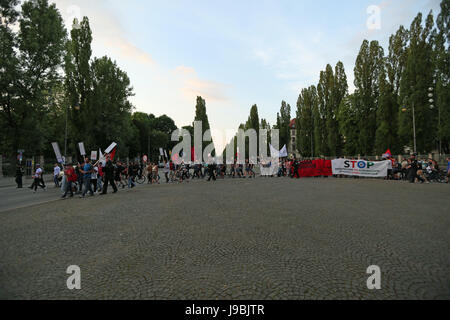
[65, 136]
[414, 128]
[431, 101]
[431, 96]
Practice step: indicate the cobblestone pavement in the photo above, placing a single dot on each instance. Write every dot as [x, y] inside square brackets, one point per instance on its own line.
[234, 239]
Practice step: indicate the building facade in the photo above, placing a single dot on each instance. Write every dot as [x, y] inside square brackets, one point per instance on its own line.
[292, 147]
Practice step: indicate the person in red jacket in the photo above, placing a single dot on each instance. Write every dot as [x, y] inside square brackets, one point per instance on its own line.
[72, 177]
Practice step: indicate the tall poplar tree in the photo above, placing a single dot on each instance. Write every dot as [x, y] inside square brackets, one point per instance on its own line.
[201, 115]
[416, 80]
[306, 104]
[367, 73]
[442, 64]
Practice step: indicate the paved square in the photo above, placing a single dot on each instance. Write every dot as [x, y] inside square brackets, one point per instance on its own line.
[234, 239]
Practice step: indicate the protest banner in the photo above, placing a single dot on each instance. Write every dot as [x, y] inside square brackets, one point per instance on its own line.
[361, 168]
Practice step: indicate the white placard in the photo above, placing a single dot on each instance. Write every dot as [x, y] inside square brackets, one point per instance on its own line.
[82, 151]
[57, 152]
[111, 148]
[161, 152]
[94, 155]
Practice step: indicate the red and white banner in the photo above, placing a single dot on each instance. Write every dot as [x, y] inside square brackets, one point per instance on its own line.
[111, 150]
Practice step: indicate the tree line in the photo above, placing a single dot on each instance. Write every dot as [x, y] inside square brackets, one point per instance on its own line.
[412, 74]
[51, 84]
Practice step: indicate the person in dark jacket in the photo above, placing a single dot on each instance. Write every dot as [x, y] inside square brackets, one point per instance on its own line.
[296, 166]
[19, 175]
[212, 167]
[109, 176]
[412, 170]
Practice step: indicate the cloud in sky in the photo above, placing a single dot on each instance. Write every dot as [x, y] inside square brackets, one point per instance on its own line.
[193, 86]
[105, 26]
[261, 53]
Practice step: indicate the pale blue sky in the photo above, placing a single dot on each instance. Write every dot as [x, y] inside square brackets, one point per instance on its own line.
[233, 53]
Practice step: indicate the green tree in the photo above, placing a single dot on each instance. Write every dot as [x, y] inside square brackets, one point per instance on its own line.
[324, 107]
[201, 115]
[306, 104]
[367, 73]
[29, 64]
[348, 121]
[78, 80]
[386, 134]
[338, 92]
[283, 122]
[416, 79]
[108, 114]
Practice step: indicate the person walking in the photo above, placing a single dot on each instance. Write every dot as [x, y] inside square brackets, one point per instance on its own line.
[87, 171]
[166, 171]
[109, 177]
[119, 171]
[56, 173]
[94, 177]
[172, 171]
[71, 177]
[212, 171]
[155, 174]
[38, 179]
[80, 178]
[100, 175]
[295, 165]
[19, 175]
[149, 173]
[131, 175]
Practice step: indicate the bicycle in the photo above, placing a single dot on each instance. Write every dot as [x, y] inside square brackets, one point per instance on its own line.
[141, 179]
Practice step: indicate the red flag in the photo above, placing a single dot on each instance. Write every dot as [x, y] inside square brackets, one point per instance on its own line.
[387, 154]
[113, 154]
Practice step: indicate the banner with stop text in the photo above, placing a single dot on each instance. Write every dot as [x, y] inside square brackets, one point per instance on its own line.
[361, 168]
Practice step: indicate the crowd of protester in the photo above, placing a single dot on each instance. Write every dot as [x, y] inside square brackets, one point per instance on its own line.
[88, 178]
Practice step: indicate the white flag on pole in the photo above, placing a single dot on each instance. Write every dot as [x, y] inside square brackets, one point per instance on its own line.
[283, 152]
[278, 154]
[101, 158]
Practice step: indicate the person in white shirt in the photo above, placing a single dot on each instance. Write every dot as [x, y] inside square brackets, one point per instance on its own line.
[166, 171]
[56, 173]
[94, 178]
[39, 179]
